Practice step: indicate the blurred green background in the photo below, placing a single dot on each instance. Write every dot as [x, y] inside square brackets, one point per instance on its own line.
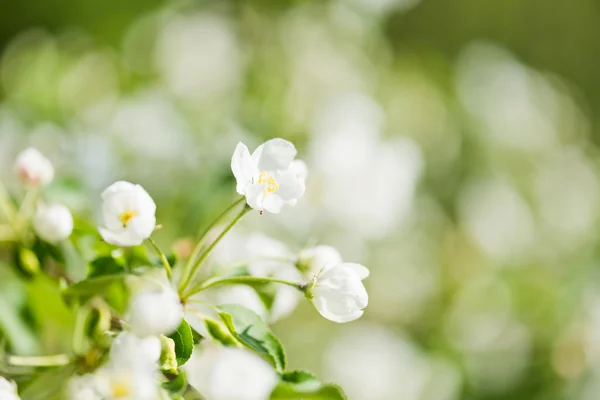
[452, 149]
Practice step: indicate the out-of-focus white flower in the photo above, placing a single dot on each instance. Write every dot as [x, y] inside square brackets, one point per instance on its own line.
[8, 390]
[269, 178]
[226, 373]
[83, 388]
[53, 223]
[129, 214]
[338, 293]
[130, 373]
[34, 168]
[155, 312]
[316, 259]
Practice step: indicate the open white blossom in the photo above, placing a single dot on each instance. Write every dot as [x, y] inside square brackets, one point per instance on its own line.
[53, 223]
[129, 214]
[270, 177]
[8, 390]
[338, 293]
[316, 259]
[130, 373]
[227, 373]
[34, 168]
[83, 388]
[155, 312]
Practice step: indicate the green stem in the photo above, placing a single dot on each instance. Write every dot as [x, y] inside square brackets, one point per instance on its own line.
[27, 208]
[246, 280]
[162, 256]
[186, 281]
[39, 361]
[6, 206]
[196, 252]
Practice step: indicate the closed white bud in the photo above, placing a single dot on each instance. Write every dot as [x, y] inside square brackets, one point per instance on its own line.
[34, 168]
[338, 293]
[154, 313]
[129, 214]
[53, 223]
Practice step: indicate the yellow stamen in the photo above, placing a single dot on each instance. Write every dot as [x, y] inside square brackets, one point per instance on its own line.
[272, 185]
[120, 389]
[127, 216]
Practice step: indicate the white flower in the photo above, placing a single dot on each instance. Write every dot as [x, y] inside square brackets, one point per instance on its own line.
[53, 223]
[227, 373]
[34, 168]
[338, 293]
[317, 259]
[8, 390]
[83, 388]
[129, 214]
[269, 178]
[155, 312]
[131, 371]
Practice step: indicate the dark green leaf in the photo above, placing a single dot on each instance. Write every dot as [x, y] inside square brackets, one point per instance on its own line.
[106, 265]
[184, 342]
[176, 386]
[302, 385]
[248, 328]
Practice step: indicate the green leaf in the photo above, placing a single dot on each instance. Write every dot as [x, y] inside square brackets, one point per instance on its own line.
[176, 386]
[184, 342]
[215, 329]
[92, 286]
[106, 265]
[303, 385]
[48, 385]
[248, 328]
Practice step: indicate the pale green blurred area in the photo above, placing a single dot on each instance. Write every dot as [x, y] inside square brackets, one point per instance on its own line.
[451, 149]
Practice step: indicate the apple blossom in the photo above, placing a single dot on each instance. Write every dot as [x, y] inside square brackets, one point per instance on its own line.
[338, 293]
[155, 312]
[53, 223]
[227, 373]
[269, 178]
[34, 168]
[313, 260]
[8, 390]
[129, 214]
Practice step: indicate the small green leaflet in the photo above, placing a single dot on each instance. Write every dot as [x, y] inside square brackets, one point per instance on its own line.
[184, 342]
[302, 385]
[248, 328]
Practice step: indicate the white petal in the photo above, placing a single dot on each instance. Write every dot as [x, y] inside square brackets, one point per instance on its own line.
[290, 187]
[242, 167]
[275, 154]
[143, 202]
[273, 203]
[362, 271]
[123, 238]
[141, 226]
[255, 194]
[299, 168]
[117, 187]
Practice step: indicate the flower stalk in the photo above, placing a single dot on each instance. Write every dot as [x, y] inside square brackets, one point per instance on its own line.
[162, 257]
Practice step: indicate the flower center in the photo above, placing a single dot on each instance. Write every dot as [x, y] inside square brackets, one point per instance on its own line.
[272, 185]
[127, 216]
[120, 389]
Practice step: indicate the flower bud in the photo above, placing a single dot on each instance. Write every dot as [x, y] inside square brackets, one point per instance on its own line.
[338, 293]
[154, 313]
[34, 168]
[53, 223]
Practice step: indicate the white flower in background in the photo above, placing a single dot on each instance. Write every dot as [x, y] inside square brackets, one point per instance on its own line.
[130, 373]
[53, 223]
[34, 168]
[316, 259]
[8, 390]
[227, 373]
[269, 178]
[83, 388]
[338, 293]
[155, 312]
[129, 214]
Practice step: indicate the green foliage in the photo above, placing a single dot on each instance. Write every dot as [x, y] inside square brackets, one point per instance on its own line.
[48, 385]
[302, 385]
[184, 342]
[176, 386]
[250, 330]
[215, 329]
